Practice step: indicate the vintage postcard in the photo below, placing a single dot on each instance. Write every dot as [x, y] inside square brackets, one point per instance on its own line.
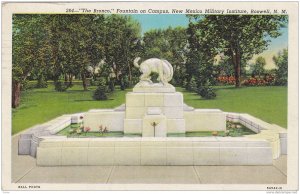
[147, 95]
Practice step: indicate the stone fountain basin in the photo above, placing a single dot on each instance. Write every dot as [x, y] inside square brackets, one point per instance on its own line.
[60, 150]
[154, 151]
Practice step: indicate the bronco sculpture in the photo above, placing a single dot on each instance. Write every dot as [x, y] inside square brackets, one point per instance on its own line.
[160, 66]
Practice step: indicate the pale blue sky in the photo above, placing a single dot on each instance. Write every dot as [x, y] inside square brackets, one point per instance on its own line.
[163, 21]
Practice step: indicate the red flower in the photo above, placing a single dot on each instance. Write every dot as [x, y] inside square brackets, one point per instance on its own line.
[87, 129]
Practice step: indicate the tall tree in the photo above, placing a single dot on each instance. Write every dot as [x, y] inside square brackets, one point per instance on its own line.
[168, 44]
[121, 39]
[239, 36]
[200, 56]
[258, 66]
[281, 62]
[76, 42]
[27, 48]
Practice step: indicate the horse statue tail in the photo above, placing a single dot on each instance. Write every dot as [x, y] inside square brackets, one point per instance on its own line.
[171, 70]
[135, 62]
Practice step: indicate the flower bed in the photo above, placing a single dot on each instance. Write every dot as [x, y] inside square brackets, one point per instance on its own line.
[226, 80]
[254, 81]
[268, 80]
[232, 130]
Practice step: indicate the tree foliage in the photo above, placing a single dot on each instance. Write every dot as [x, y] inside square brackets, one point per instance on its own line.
[238, 36]
[27, 51]
[200, 60]
[122, 36]
[61, 47]
[169, 44]
[258, 66]
[281, 62]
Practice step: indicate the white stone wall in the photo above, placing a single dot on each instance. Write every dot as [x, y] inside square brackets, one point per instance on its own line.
[276, 135]
[29, 140]
[205, 120]
[154, 151]
[113, 120]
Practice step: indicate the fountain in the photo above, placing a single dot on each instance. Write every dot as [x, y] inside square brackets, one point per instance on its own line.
[156, 102]
[152, 112]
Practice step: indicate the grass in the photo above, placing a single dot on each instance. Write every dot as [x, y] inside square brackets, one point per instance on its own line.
[267, 103]
[41, 105]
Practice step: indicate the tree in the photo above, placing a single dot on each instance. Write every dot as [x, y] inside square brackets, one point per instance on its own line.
[258, 66]
[60, 47]
[27, 50]
[200, 60]
[167, 44]
[122, 36]
[224, 67]
[100, 92]
[281, 62]
[239, 36]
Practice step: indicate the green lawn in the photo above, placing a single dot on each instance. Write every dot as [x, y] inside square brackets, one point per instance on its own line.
[41, 105]
[267, 103]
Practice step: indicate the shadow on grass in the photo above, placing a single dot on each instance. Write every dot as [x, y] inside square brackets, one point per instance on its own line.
[76, 91]
[89, 100]
[204, 99]
[85, 100]
[228, 88]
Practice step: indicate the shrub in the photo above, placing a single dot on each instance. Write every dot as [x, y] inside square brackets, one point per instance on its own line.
[93, 82]
[281, 62]
[41, 83]
[111, 85]
[124, 83]
[206, 92]
[100, 92]
[192, 86]
[184, 83]
[60, 87]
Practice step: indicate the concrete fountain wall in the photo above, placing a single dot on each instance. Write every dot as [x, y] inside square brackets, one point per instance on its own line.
[154, 148]
[259, 149]
[154, 151]
[157, 104]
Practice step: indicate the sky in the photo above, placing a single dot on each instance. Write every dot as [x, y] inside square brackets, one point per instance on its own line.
[163, 21]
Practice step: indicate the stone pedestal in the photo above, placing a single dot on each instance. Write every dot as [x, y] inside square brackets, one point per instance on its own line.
[154, 104]
[146, 87]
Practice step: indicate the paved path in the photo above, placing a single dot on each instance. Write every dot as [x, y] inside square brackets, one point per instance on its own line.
[24, 170]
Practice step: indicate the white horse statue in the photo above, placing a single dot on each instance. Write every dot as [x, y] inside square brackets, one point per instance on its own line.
[160, 66]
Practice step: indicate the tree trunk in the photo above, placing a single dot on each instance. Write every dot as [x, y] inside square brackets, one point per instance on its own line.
[66, 77]
[130, 75]
[236, 59]
[84, 81]
[70, 78]
[16, 93]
